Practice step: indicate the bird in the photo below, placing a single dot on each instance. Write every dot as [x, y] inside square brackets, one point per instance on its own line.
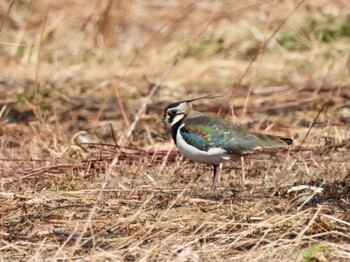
[211, 140]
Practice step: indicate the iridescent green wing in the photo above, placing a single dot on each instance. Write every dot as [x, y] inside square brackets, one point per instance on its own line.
[207, 131]
[200, 136]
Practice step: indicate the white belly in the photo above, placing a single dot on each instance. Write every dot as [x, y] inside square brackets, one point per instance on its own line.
[213, 156]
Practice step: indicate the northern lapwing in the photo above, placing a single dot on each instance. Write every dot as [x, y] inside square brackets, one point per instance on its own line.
[212, 140]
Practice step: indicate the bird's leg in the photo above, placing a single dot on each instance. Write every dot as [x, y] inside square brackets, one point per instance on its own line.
[217, 169]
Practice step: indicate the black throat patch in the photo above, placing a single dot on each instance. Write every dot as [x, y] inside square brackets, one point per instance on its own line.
[174, 130]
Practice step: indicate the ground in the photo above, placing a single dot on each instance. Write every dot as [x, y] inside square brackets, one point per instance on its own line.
[86, 174]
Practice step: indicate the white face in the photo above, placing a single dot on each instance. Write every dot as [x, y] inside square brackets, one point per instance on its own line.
[175, 113]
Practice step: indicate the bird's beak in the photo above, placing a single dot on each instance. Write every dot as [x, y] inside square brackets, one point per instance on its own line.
[160, 121]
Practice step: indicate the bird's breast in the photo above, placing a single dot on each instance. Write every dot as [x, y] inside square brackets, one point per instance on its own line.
[213, 156]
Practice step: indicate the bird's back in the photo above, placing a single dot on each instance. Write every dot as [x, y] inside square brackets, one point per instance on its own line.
[213, 132]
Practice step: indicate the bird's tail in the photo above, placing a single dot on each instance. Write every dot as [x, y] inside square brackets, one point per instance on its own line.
[288, 141]
[271, 141]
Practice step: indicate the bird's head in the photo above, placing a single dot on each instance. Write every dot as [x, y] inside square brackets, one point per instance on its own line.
[176, 112]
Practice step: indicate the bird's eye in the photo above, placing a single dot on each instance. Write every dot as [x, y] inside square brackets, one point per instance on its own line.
[174, 111]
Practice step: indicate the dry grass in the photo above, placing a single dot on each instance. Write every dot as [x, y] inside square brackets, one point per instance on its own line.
[85, 174]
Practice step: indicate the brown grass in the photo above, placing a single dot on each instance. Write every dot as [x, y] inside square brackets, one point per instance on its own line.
[85, 174]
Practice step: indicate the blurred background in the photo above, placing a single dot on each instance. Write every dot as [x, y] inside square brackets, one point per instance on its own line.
[72, 66]
[73, 75]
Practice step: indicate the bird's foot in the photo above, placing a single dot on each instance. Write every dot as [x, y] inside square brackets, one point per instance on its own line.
[211, 195]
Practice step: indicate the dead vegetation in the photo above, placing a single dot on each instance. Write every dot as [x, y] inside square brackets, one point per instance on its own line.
[85, 174]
